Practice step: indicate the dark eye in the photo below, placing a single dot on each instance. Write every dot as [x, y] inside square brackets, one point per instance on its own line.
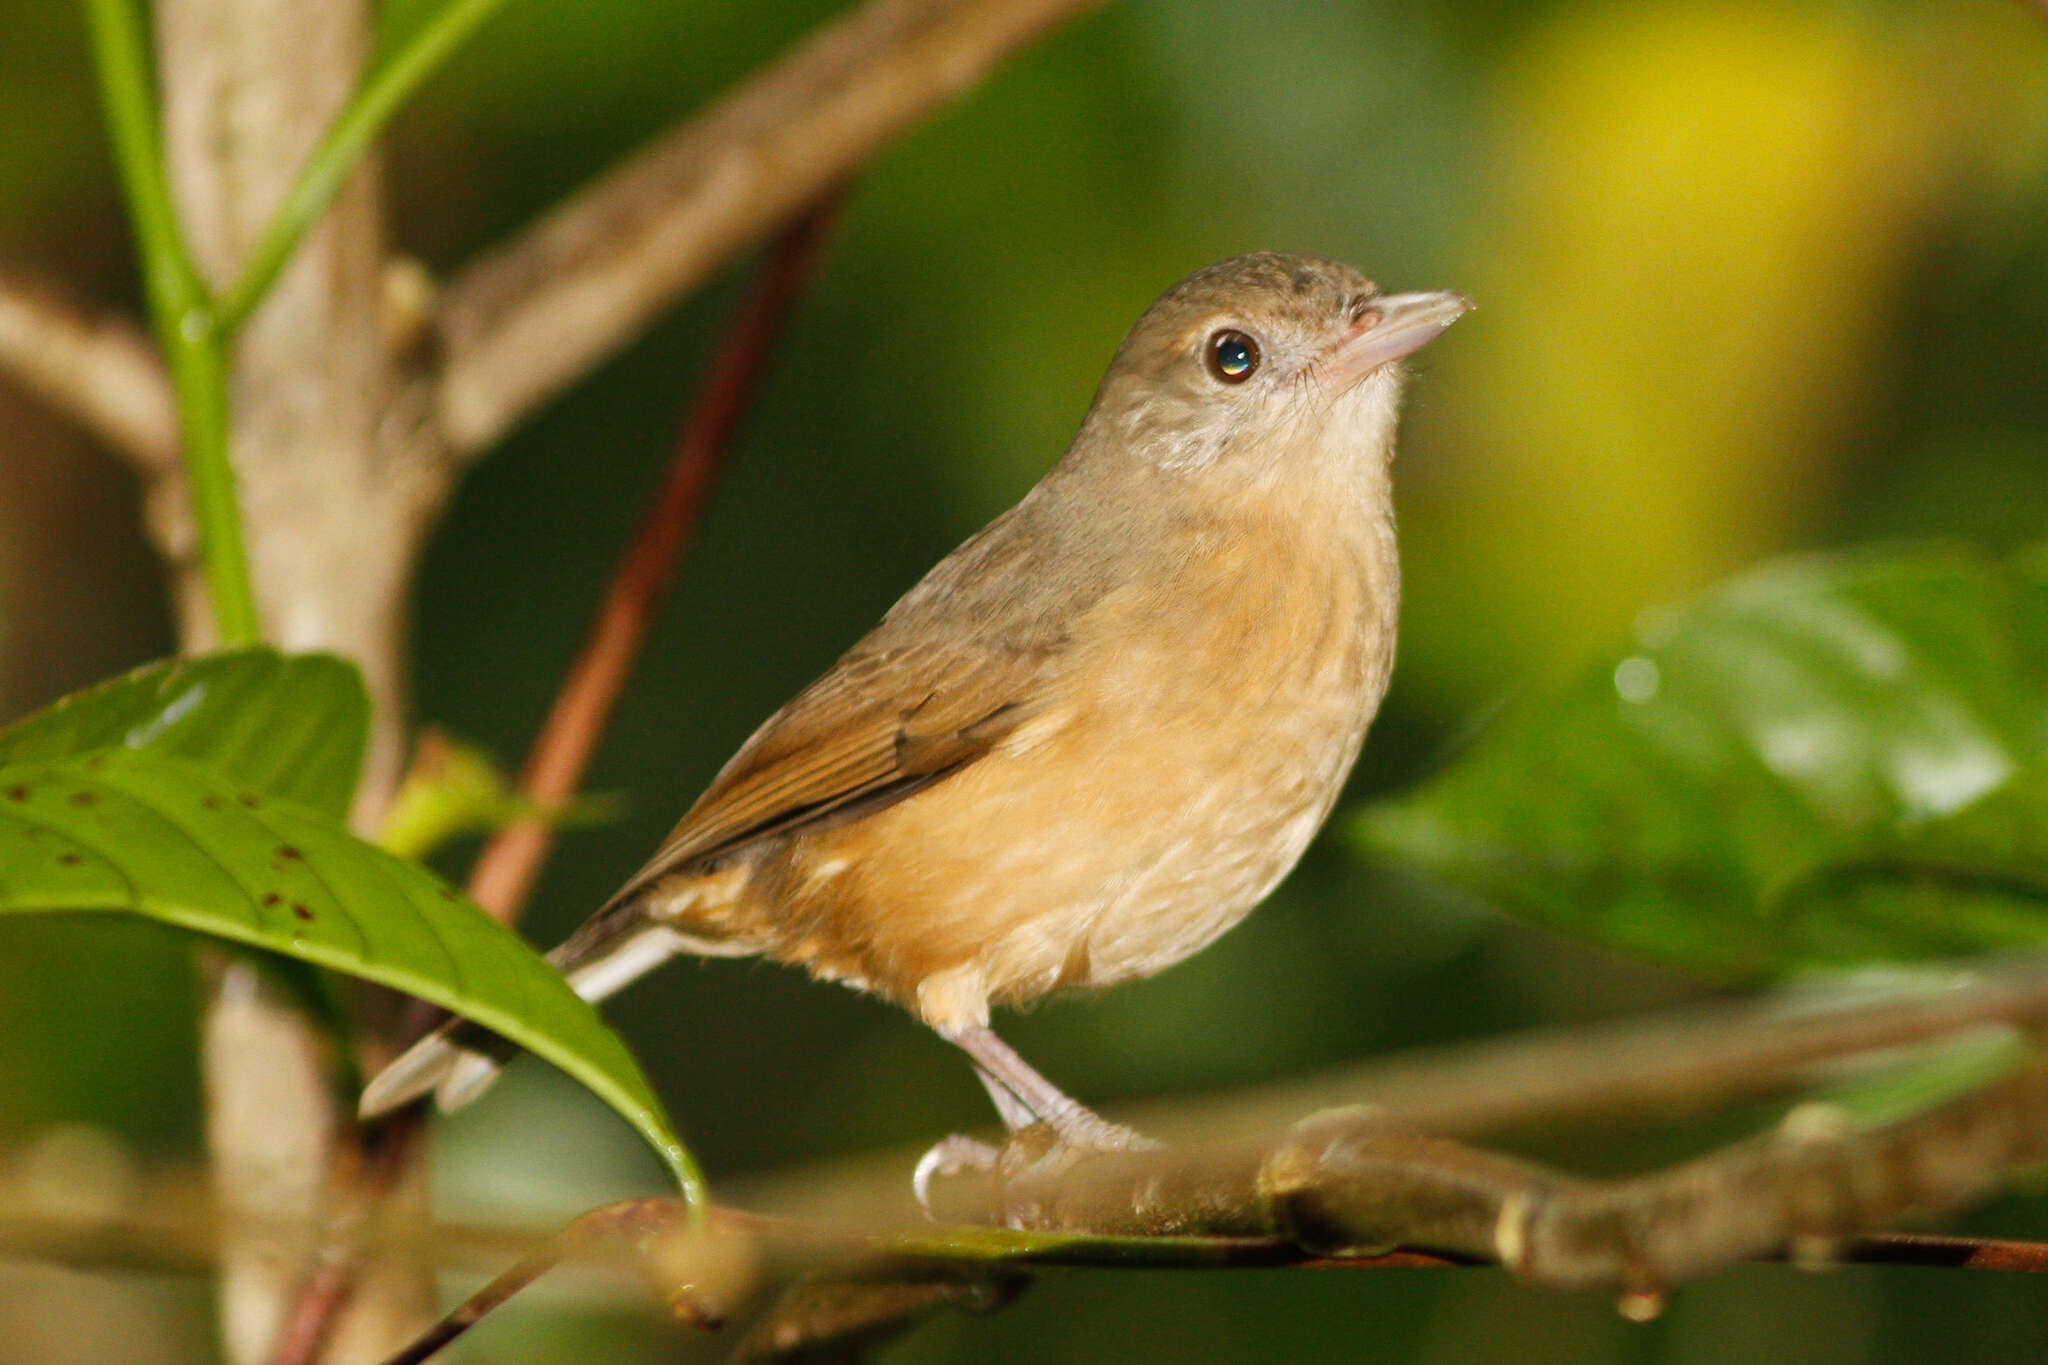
[1233, 356]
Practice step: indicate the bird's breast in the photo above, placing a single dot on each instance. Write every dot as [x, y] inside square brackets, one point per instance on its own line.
[1243, 717]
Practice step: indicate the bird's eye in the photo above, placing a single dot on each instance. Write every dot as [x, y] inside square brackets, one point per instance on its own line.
[1233, 356]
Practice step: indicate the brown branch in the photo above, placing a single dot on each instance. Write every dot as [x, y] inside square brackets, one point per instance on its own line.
[1347, 1187]
[170, 1226]
[1637, 1070]
[1966, 1253]
[504, 872]
[855, 1285]
[1349, 1180]
[101, 370]
[529, 317]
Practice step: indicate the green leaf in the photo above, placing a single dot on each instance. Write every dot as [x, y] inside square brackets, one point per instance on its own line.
[291, 727]
[161, 837]
[454, 789]
[1964, 883]
[1706, 798]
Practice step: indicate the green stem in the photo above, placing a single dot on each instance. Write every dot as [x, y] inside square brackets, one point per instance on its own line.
[365, 115]
[181, 309]
[129, 96]
[199, 370]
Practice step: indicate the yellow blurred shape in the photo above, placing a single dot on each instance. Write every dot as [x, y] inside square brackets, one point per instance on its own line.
[1699, 218]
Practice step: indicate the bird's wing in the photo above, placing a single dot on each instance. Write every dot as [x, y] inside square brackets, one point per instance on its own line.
[881, 725]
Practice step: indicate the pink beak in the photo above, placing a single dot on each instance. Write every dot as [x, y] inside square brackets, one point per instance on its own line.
[1393, 326]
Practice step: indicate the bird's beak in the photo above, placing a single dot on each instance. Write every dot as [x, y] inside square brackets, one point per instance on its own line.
[1392, 326]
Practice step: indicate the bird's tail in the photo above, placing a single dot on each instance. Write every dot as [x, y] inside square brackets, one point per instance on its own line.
[459, 1060]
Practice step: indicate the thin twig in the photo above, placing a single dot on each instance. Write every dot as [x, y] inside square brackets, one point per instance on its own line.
[643, 1224]
[100, 370]
[1968, 1253]
[505, 870]
[526, 319]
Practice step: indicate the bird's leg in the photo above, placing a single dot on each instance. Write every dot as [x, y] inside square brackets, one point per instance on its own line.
[1016, 1114]
[1024, 1097]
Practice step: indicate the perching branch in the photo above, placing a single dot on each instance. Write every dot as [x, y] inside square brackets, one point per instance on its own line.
[1331, 1189]
[1637, 1071]
[531, 316]
[1350, 1187]
[1345, 1185]
[101, 371]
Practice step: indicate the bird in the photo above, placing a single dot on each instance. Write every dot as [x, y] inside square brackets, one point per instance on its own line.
[1094, 736]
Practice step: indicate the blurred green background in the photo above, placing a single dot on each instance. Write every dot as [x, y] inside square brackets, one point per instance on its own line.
[1750, 277]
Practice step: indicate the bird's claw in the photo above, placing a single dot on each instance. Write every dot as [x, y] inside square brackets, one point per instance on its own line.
[954, 1155]
[1038, 1150]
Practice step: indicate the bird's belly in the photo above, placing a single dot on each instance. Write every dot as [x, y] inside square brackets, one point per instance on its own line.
[1106, 839]
[1227, 838]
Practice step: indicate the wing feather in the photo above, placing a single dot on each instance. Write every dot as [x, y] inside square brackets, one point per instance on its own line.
[872, 731]
[956, 665]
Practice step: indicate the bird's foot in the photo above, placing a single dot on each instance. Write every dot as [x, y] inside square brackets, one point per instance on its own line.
[974, 1175]
[1086, 1133]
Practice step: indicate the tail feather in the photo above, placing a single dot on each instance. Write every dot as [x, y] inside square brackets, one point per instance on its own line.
[459, 1060]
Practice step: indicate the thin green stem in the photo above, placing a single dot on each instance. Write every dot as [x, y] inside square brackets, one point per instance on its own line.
[182, 311]
[368, 110]
[199, 370]
[129, 96]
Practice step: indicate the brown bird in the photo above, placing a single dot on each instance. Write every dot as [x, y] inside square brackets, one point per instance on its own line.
[1099, 732]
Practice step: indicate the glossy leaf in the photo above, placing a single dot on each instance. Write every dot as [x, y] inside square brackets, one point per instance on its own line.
[287, 726]
[1971, 881]
[1771, 776]
[116, 829]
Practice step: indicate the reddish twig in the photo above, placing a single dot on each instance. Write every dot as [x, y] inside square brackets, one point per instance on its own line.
[505, 871]
[1962, 1253]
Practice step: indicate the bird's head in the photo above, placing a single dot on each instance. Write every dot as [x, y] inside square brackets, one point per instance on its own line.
[1257, 359]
